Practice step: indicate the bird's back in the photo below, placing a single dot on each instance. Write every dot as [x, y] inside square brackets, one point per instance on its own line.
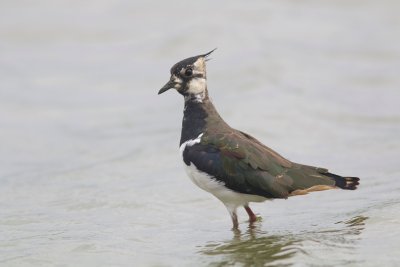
[248, 166]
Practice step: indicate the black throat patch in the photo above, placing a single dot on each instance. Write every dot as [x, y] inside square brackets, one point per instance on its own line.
[194, 120]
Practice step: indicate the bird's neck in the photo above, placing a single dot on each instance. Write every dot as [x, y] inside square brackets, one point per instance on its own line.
[197, 115]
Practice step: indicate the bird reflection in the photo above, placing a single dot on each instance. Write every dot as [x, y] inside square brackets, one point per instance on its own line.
[256, 247]
[251, 248]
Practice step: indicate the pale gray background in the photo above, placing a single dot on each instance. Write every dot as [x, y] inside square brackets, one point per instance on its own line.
[90, 173]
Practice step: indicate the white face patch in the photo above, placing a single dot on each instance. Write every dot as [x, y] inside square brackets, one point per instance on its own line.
[178, 81]
[197, 86]
[192, 83]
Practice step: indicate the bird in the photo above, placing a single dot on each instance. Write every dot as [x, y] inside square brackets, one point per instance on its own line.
[230, 164]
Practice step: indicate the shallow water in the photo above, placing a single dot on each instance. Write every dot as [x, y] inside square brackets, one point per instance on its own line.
[89, 167]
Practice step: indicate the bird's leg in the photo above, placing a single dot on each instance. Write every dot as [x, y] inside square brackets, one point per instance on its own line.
[234, 220]
[232, 212]
[252, 216]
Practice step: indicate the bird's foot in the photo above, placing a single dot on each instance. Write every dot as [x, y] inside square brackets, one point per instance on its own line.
[255, 219]
[252, 217]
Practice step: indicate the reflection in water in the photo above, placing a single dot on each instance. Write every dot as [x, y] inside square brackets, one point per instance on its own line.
[252, 248]
[358, 222]
[257, 248]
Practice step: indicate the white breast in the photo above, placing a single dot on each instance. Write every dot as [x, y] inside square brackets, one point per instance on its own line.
[218, 188]
[205, 181]
[215, 187]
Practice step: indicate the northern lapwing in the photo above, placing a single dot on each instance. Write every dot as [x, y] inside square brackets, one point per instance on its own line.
[230, 164]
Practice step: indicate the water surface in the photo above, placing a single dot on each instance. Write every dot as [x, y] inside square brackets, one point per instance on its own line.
[89, 167]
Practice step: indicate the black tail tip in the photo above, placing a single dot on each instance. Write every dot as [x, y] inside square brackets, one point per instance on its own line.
[348, 183]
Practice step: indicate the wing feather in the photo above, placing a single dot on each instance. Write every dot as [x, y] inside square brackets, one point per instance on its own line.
[247, 166]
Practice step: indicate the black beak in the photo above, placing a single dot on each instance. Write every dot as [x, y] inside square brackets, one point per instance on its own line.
[170, 84]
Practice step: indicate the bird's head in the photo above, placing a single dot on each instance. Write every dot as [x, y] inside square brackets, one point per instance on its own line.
[188, 76]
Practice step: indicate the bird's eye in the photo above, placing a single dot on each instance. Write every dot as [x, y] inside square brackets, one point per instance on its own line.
[188, 72]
